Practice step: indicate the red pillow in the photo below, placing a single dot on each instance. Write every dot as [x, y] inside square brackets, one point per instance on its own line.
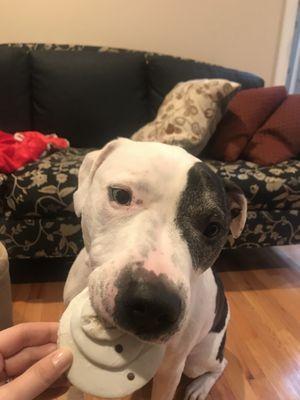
[279, 138]
[247, 111]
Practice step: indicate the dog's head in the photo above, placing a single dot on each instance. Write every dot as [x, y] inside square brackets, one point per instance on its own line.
[154, 218]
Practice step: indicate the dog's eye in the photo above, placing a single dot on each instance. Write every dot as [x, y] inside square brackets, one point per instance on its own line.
[212, 230]
[120, 196]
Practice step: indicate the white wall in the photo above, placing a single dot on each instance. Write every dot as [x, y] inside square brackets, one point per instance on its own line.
[235, 33]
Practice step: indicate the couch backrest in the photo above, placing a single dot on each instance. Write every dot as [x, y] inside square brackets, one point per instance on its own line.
[92, 94]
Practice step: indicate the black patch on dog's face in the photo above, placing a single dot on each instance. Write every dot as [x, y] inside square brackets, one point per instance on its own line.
[203, 203]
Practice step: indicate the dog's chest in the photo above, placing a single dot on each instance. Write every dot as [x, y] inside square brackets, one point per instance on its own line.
[200, 321]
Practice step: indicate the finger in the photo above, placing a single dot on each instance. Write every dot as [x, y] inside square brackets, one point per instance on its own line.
[39, 377]
[52, 393]
[20, 362]
[14, 339]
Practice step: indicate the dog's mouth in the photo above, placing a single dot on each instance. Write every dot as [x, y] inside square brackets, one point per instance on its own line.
[93, 326]
[103, 316]
[98, 327]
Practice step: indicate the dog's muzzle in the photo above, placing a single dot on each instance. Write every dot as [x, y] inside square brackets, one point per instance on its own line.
[147, 305]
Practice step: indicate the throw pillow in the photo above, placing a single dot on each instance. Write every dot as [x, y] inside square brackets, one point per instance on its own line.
[279, 138]
[189, 114]
[247, 111]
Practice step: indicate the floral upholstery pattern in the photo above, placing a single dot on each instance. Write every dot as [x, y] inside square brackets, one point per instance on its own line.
[38, 215]
[44, 188]
[274, 187]
[38, 218]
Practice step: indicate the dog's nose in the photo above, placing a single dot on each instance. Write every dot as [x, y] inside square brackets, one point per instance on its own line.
[149, 308]
[149, 311]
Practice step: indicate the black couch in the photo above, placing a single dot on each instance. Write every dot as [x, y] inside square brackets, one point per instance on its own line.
[90, 95]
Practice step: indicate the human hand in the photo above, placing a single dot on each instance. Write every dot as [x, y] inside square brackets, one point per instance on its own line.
[31, 363]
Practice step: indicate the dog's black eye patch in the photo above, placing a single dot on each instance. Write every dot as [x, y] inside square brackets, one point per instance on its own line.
[120, 195]
[202, 215]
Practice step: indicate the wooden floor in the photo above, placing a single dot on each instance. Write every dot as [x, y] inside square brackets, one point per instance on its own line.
[263, 346]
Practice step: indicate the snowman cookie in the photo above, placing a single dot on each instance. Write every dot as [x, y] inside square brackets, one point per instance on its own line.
[106, 361]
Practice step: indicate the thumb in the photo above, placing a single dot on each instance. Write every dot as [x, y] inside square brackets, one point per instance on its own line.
[40, 376]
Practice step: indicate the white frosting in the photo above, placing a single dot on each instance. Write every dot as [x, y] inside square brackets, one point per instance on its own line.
[106, 361]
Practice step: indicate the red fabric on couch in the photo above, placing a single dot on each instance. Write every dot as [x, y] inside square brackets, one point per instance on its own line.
[24, 147]
[247, 111]
[279, 138]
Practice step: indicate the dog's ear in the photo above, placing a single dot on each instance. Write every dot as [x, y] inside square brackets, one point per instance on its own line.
[238, 208]
[87, 170]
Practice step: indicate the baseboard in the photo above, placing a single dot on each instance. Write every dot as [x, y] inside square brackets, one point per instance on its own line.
[39, 270]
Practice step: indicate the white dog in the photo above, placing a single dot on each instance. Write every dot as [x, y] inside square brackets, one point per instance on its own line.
[154, 220]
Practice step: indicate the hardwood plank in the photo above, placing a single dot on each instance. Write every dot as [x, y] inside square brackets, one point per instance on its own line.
[263, 345]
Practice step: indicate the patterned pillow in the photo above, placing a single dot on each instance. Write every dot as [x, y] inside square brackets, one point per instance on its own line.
[189, 114]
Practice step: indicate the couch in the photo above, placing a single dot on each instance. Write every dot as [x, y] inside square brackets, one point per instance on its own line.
[90, 95]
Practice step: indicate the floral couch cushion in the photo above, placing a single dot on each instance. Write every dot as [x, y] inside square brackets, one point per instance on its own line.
[38, 219]
[266, 188]
[44, 188]
[37, 214]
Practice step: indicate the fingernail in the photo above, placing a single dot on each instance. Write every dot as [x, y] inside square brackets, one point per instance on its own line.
[62, 359]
